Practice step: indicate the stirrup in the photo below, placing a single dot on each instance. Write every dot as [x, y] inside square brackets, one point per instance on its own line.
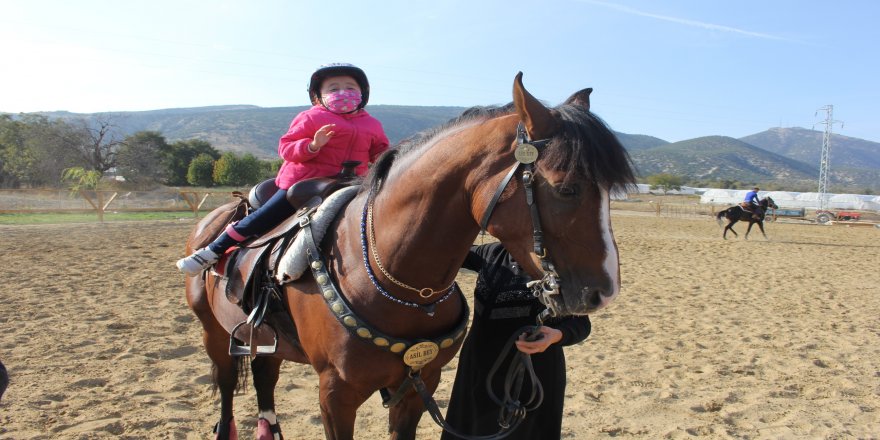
[250, 349]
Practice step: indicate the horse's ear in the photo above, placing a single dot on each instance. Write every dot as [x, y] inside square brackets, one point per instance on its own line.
[581, 98]
[538, 120]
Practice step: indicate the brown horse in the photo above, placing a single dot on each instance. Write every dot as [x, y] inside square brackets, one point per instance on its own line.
[426, 199]
[737, 214]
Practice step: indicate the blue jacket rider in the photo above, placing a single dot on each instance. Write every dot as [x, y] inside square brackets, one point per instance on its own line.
[752, 204]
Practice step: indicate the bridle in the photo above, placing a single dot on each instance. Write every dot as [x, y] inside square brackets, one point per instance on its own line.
[526, 155]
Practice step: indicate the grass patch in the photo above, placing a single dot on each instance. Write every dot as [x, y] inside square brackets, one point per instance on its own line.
[61, 218]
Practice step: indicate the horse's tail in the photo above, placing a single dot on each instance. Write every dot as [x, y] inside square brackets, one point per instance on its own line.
[721, 215]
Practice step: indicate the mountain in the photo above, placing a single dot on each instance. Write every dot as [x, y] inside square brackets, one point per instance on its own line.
[806, 146]
[256, 130]
[852, 162]
[635, 142]
[722, 158]
[789, 156]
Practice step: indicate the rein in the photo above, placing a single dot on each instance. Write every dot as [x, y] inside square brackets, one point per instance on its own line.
[526, 155]
[513, 407]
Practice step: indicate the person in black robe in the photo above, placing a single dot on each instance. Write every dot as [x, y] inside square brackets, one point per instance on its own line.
[502, 305]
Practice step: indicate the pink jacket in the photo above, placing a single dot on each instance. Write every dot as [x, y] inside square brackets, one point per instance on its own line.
[358, 136]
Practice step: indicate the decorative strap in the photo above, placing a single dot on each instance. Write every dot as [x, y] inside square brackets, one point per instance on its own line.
[426, 292]
[427, 308]
[341, 309]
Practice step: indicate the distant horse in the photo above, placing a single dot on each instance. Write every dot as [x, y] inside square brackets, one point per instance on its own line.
[538, 178]
[737, 214]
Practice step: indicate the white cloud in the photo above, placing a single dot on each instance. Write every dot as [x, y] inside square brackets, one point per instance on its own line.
[684, 21]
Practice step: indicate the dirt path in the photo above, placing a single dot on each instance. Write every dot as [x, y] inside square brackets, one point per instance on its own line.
[709, 338]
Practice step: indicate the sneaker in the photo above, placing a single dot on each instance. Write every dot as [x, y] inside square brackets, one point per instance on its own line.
[198, 262]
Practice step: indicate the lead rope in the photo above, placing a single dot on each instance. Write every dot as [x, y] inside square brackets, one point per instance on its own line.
[512, 408]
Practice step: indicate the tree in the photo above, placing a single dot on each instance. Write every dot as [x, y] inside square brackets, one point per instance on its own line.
[665, 181]
[201, 171]
[81, 179]
[232, 170]
[16, 162]
[179, 155]
[140, 158]
[96, 140]
[33, 152]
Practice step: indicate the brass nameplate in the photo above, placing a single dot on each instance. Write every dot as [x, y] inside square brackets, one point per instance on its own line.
[421, 354]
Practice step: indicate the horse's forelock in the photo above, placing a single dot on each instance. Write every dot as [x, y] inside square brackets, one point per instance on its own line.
[586, 148]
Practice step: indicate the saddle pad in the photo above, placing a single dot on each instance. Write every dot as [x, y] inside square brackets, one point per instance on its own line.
[295, 262]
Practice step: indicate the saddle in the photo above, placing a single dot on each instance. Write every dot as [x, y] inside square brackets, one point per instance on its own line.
[246, 275]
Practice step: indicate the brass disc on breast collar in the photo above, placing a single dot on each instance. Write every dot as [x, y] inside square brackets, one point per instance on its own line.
[421, 354]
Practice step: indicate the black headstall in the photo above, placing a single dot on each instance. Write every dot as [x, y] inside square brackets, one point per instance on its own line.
[526, 154]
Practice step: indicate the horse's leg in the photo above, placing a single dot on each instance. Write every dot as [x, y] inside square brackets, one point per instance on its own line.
[339, 404]
[749, 229]
[266, 371]
[403, 418]
[729, 227]
[224, 367]
[761, 226]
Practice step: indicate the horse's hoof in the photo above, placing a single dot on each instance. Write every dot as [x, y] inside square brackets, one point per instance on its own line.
[265, 431]
[230, 434]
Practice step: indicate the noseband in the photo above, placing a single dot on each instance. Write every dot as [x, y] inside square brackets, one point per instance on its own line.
[526, 155]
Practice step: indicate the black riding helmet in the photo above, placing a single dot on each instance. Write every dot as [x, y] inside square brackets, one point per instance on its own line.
[338, 69]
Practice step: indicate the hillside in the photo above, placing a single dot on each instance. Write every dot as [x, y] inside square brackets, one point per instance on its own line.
[721, 157]
[251, 129]
[853, 161]
[806, 146]
[787, 154]
[635, 142]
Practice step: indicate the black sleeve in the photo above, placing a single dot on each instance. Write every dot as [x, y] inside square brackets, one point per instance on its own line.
[472, 261]
[575, 329]
[477, 257]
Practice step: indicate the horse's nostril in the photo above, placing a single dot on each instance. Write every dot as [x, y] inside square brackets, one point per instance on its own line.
[592, 296]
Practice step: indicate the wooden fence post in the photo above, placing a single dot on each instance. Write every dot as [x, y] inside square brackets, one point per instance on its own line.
[98, 204]
[190, 198]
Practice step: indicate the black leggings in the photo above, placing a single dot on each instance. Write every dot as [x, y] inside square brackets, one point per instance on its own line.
[271, 214]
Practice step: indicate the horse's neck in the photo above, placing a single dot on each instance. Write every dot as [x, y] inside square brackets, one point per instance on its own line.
[423, 227]
[422, 222]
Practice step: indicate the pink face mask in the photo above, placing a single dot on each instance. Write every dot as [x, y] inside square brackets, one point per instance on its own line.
[343, 101]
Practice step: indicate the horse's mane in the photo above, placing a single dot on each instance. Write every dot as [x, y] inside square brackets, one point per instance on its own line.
[379, 171]
[584, 147]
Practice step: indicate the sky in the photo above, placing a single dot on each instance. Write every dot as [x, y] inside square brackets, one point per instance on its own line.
[673, 69]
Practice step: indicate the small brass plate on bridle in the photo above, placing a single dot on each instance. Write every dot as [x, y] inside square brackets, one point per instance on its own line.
[421, 354]
[526, 153]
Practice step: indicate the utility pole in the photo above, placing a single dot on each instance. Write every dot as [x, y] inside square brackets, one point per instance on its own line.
[826, 152]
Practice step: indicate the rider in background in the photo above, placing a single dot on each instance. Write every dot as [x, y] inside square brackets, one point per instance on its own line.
[334, 130]
[752, 204]
[502, 305]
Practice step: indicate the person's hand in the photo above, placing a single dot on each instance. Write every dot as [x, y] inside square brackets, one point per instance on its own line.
[547, 337]
[322, 136]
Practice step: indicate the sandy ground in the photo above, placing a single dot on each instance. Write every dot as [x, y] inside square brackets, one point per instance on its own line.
[709, 339]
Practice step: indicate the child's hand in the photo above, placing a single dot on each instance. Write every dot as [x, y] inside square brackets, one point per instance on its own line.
[322, 136]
